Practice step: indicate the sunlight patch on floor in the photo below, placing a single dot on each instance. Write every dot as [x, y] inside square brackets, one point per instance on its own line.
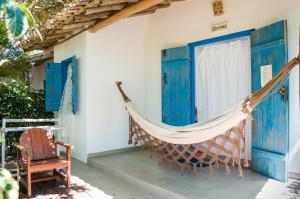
[79, 190]
[278, 190]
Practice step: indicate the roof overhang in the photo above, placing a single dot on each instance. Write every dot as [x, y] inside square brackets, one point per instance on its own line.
[91, 15]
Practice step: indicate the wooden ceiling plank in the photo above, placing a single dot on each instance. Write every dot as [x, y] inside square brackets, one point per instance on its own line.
[77, 25]
[112, 2]
[100, 15]
[126, 12]
[61, 31]
[89, 11]
[62, 35]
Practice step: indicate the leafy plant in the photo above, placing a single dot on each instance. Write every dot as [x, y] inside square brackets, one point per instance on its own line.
[19, 69]
[17, 18]
[42, 10]
[9, 188]
[18, 101]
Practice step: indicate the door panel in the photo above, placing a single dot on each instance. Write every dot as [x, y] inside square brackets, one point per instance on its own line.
[176, 89]
[53, 86]
[270, 127]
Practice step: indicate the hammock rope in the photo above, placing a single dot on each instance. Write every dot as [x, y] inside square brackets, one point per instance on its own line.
[219, 140]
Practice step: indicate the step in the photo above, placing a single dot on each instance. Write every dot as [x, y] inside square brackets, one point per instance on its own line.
[143, 172]
[156, 191]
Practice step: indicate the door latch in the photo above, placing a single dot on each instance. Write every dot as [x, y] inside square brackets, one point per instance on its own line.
[283, 92]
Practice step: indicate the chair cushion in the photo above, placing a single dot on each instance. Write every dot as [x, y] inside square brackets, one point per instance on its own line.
[40, 142]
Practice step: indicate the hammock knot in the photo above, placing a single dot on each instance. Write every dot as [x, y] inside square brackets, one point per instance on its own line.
[246, 105]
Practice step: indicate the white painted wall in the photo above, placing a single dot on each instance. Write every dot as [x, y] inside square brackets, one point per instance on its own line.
[77, 46]
[130, 51]
[118, 52]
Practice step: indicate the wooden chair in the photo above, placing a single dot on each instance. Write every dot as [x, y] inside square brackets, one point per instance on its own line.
[36, 153]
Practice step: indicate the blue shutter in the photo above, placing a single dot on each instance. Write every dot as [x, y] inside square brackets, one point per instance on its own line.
[270, 133]
[74, 83]
[176, 86]
[53, 86]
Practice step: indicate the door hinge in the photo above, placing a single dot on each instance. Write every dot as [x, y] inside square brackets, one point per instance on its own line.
[165, 78]
[164, 52]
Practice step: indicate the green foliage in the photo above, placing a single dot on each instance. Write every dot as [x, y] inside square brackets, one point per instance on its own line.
[42, 10]
[4, 41]
[15, 22]
[19, 69]
[17, 17]
[18, 101]
[3, 3]
[30, 19]
[17, 65]
[9, 188]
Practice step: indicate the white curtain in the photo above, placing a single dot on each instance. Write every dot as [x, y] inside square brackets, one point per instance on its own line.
[66, 116]
[222, 76]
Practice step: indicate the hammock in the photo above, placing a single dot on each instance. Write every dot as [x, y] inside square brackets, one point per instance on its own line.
[219, 140]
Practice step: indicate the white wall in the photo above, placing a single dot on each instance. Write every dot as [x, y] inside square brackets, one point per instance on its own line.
[116, 53]
[130, 51]
[293, 17]
[77, 46]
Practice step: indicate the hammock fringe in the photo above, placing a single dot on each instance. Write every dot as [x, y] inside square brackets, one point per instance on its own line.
[226, 148]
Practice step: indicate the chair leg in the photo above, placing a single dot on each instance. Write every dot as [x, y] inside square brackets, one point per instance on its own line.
[68, 177]
[29, 184]
[18, 173]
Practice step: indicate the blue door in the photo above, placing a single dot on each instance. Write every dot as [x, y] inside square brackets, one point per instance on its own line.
[56, 76]
[176, 86]
[53, 86]
[270, 133]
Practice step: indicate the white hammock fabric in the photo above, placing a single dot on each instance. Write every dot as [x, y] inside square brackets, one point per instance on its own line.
[190, 134]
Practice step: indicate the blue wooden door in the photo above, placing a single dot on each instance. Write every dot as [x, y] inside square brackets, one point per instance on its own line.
[176, 86]
[53, 86]
[56, 76]
[270, 133]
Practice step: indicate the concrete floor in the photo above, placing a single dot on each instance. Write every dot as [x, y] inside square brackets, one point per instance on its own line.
[108, 183]
[135, 175]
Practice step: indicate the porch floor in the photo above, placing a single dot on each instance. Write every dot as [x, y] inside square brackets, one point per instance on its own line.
[144, 173]
[134, 175]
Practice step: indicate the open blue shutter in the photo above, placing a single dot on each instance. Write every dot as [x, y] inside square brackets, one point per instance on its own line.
[270, 133]
[176, 86]
[74, 85]
[53, 86]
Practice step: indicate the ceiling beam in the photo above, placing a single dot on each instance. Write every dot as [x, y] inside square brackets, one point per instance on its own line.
[124, 13]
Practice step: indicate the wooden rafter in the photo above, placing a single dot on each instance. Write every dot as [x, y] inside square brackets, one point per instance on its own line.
[127, 12]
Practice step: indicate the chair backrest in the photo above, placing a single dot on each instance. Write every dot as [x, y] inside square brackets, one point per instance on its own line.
[40, 142]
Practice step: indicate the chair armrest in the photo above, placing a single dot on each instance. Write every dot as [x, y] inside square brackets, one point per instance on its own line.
[68, 146]
[22, 148]
[26, 150]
